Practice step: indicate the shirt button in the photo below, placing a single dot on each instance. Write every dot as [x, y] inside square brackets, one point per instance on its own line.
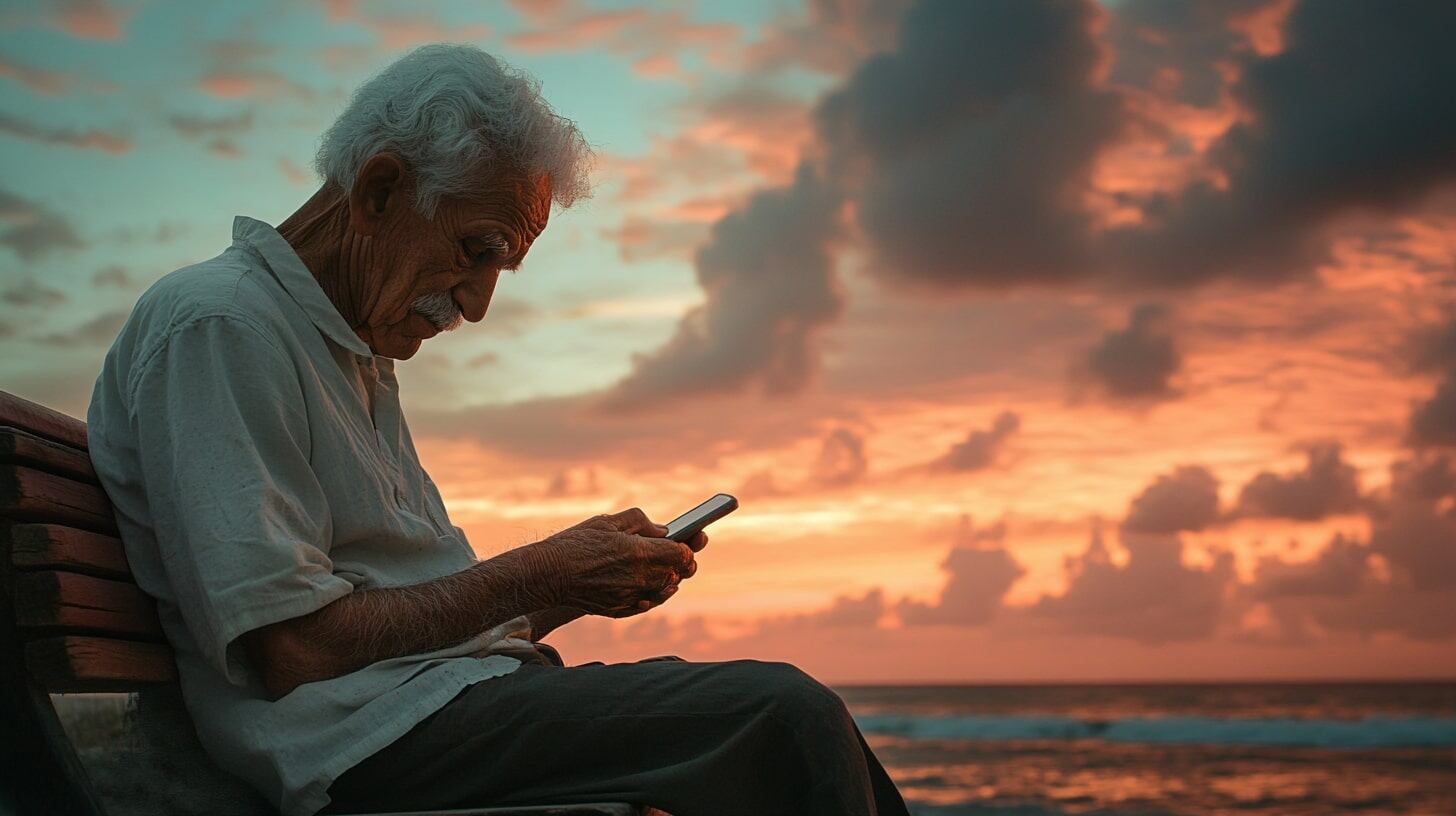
[399, 497]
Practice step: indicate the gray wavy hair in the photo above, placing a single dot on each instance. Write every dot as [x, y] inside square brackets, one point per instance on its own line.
[453, 113]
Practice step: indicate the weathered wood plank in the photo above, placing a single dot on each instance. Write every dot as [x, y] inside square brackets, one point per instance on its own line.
[41, 421]
[84, 604]
[78, 664]
[24, 448]
[27, 494]
[51, 546]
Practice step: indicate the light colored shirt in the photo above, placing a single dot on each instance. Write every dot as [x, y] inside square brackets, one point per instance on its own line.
[252, 483]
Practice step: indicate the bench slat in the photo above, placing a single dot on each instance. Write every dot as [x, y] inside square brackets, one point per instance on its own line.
[78, 664]
[51, 546]
[69, 601]
[27, 494]
[21, 447]
[41, 421]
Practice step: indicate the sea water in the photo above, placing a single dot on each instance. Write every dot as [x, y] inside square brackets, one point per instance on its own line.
[1367, 748]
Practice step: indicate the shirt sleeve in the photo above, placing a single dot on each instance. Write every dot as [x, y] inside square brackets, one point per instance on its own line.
[242, 524]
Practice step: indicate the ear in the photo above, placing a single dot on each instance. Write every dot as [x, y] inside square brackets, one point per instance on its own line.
[377, 190]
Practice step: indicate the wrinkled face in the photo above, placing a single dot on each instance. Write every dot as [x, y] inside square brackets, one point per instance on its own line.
[415, 277]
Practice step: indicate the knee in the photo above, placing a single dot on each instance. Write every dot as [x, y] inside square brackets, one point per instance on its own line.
[791, 693]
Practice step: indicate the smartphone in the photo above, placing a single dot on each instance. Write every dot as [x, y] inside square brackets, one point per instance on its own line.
[684, 527]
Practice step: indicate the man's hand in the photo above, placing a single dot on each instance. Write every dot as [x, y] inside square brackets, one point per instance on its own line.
[618, 565]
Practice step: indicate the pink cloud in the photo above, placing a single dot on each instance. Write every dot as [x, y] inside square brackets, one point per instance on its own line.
[91, 19]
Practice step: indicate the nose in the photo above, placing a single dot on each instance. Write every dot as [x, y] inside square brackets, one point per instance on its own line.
[473, 296]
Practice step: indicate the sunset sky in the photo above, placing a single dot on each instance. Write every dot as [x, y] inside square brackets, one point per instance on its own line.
[1038, 340]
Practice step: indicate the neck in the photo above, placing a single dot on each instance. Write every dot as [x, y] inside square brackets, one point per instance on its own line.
[318, 231]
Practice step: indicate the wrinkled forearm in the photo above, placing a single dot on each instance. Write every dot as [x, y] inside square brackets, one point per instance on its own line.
[545, 621]
[377, 624]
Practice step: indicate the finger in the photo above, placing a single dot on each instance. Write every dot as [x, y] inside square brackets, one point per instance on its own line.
[633, 520]
[668, 552]
[698, 542]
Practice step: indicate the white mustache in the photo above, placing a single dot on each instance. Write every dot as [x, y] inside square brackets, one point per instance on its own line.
[439, 309]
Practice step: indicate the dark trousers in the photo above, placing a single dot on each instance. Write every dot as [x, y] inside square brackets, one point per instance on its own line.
[741, 738]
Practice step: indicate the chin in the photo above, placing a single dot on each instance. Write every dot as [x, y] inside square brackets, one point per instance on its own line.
[402, 350]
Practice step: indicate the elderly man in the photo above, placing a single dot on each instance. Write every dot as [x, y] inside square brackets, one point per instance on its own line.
[338, 643]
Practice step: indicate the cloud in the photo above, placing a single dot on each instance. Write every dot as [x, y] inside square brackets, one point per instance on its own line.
[105, 141]
[841, 460]
[202, 127]
[1337, 571]
[404, 31]
[1326, 486]
[1433, 421]
[99, 331]
[234, 72]
[863, 612]
[642, 35]
[1355, 113]
[90, 19]
[112, 275]
[767, 274]
[1137, 362]
[1153, 598]
[832, 37]
[980, 449]
[640, 239]
[1402, 580]
[1186, 499]
[980, 571]
[969, 155]
[294, 173]
[36, 79]
[31, 294]
[1181, 50]
[31, 230]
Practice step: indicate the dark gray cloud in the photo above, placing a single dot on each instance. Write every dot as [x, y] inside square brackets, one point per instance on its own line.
[112, 275]
[30, 293]
[1433, 420]
[767, 273]
[205, 127]
[104, 140]
[1153, 598]
[1326, 486]
[1186, 499]
[1412, 592]
[1358, 112]
[1338, 571]
[979, 572]
[968, 144]
[861, 612]
[1175, 48]
[97, 332]
[31, 230]
[980, 449]
[1136, 362]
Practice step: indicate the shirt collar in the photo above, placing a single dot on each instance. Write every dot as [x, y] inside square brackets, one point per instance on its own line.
[300, 283]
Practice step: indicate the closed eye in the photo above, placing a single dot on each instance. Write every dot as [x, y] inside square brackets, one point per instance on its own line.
[491, 248]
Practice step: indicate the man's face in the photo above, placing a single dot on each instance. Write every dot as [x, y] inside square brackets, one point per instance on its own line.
[417, 277]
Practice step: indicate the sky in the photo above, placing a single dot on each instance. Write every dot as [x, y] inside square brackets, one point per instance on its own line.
[1040, 341]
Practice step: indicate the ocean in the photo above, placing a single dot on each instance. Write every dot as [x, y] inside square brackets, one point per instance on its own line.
[1278, 748]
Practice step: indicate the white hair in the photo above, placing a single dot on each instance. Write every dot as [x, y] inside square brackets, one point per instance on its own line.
[454, 114]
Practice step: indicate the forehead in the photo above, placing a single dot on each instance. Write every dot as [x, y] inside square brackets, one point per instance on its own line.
[523, 201]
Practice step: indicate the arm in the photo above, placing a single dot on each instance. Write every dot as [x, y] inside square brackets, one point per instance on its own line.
[602, 566]
[372, 625]
[546, 621]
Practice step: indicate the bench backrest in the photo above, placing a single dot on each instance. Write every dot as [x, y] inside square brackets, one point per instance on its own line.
[83, 623]
[73, 619]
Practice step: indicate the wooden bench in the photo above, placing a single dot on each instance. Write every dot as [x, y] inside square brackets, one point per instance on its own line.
[74, 619]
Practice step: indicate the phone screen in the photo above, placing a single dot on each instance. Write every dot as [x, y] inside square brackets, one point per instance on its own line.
[689, 524]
